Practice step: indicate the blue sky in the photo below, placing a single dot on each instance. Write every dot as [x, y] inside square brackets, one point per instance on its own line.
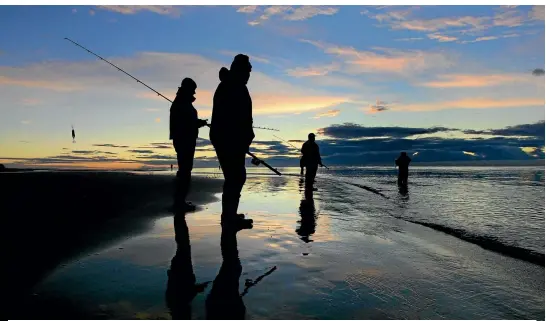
[315, 68]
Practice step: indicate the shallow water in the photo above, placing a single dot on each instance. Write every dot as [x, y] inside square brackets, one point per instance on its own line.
[342, 255]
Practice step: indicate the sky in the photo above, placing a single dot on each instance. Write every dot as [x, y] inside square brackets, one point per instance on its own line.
[444, 83]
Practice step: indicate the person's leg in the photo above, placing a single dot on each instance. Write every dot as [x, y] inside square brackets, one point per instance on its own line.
[187, 166]
[310, 173]
[226, 159]
[185, 152]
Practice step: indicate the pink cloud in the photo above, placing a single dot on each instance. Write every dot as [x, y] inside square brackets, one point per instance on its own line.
[473, 103]
[469, 80]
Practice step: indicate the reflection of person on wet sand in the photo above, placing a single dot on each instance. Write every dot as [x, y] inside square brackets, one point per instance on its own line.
[224, 301]
[403, 168]
[308, 217]
[311, 159]
[181, 283]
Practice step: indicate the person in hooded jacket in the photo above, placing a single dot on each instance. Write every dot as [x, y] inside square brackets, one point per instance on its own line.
[231, 132]
[184, 127]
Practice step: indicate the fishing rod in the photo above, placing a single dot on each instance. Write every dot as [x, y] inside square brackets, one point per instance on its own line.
[138, 80]
[284, 140]
[255, 160]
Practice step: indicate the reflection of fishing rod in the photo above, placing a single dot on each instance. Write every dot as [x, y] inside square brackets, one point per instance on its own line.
[137, 80]
[249, 283]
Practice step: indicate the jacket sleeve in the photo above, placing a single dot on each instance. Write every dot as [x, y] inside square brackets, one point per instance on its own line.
[246, 105]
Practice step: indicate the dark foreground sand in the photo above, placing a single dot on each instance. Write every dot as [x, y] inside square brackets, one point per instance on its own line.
[51, 217]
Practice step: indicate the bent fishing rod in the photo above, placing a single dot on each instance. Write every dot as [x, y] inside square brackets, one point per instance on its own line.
[255, 160]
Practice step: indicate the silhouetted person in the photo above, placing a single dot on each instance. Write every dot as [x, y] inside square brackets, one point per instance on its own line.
[181, 283]
[302, 165]
[231, 133]
[171, 167]
[184, 128]
[403, 168]
[311, 159]
[224, 301]
[73, 135]
[308, 216]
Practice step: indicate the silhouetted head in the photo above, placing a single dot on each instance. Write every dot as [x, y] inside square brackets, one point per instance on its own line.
[224, 74]
[403, 154]
[187, 89]
[241, 68]
[311, 137]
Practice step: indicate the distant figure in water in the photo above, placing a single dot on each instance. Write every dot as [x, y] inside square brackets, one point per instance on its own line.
[171, 167]
[403, 168]
[231, 134]
[73, 135]
[311, 160]
[184, 128]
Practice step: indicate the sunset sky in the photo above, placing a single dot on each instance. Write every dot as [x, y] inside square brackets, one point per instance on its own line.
[452, 83]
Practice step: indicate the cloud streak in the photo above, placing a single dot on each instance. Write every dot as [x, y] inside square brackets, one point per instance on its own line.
[162, 10]
[474, 81]
[287, 12]
[473, 103]
[382, 60]
[329, 113]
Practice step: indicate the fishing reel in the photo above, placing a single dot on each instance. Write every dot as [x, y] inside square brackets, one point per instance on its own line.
[256, 161]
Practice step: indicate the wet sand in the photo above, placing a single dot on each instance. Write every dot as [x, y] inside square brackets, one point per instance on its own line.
[52, 217]
[341, 255]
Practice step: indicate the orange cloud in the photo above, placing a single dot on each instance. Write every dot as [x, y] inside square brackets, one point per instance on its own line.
[473, 103]
[463, 80]
[329, 113]
[264, 103]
